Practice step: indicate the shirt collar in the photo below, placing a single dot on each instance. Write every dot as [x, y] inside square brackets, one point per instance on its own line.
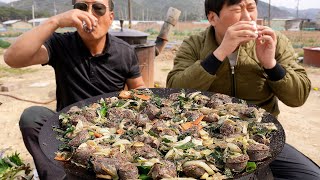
[85, 51]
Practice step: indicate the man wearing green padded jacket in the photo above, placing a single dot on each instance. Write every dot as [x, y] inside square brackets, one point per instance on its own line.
[236, 57]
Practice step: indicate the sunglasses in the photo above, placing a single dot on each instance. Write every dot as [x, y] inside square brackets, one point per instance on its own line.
[98, 8]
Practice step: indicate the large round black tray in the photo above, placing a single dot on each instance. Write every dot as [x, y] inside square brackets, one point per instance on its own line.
[49, 143]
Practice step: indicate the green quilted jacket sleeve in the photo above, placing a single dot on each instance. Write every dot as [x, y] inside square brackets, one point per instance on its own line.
[187, 71]
[293, 90]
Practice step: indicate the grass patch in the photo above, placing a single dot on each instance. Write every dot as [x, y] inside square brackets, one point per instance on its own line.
[165, 69]
[7, 71]
[4, 44]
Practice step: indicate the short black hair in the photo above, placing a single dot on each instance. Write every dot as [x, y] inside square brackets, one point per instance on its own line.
[111, 4]
[216, 5]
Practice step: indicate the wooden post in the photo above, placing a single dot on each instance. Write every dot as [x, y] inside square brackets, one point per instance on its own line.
[171, 20]
[269, 20]
[33, 21]
[130, 13]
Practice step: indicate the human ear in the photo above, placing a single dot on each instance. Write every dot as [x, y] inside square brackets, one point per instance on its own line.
[111, 15]
[213, 18]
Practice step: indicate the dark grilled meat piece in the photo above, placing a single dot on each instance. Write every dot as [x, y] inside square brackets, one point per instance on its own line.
[211, 117]
[160, 129]
[75, 118]
[219, 99]
[165, 169]
[258, 152]
[74, 110]
[145, 151]
[167, 102]
[192, 115]
[166, 113]
[141, 120]
[117, 114]
[121, 157]
[174, 96]
[201, 99]
[111, 124]
[237, 164]
[261, 139]
[81, 137]
[249, 112]
[90, 115]
[128, 171]
[151, 111]
[227, 129]
[154, 143]
[193, 131]
[194, 171]
[82, 156]
[105, 167]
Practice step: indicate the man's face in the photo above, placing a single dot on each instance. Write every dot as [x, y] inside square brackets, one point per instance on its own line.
[104, 21]
[246, 10]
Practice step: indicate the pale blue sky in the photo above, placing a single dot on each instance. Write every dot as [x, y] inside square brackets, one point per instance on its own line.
[304, 4]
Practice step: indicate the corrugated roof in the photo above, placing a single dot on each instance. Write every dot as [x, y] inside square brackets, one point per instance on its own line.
[10, 22]
[37, 20]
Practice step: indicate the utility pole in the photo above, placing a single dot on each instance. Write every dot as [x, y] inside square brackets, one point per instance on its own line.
[269, 19]
[297, 9]
[147, 14]
[142, 14]
[54, 7]
[33, 22]
[130, 13]
[185, 16]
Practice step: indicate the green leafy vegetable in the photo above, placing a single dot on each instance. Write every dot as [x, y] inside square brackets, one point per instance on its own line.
[143, 171]
[152, 133]
[251, 166]
[216, 157]
[166, 140]
[12, 167]
[119, 103]
[228, 173]
[186, 146]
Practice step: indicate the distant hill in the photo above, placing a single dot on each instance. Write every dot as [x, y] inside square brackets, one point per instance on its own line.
[156, 10]
[306, 13]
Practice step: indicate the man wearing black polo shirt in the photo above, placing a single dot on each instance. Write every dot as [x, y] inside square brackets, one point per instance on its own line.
[87, 63]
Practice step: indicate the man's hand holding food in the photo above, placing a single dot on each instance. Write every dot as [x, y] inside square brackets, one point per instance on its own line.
[266, 47]
[76, 18]
[237, 34]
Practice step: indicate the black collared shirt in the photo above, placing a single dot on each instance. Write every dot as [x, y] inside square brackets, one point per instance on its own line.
[79, 75]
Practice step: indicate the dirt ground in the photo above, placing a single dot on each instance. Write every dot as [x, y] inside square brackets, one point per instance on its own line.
[302, 125]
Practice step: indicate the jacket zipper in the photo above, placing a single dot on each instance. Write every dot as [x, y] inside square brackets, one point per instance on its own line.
[234, 85]
[233, 89]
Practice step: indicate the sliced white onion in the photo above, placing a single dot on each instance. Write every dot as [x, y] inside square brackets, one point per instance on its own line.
[79, 127]
[199, 164]
[182, 142]
[121, 142]
[212, 166]
[127, 103]
[151, 162]
[194, 94]
[197, 142]
[234, 148]
[205, 176]
[178, 179]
